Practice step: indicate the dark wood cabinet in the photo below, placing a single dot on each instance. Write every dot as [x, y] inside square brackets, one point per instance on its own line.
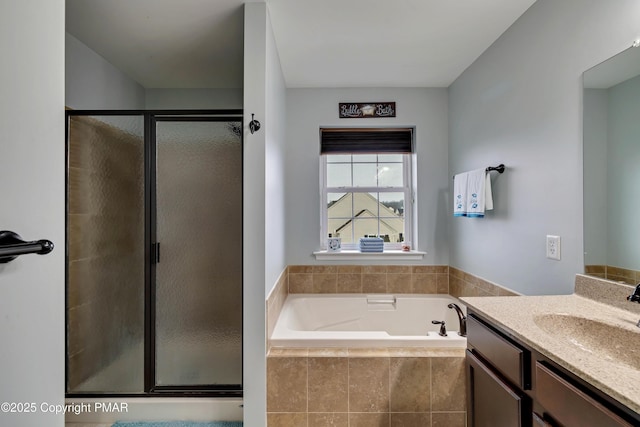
[511, 385]
[507, 357]
[539, 421]
[570, 406]
[492, 402]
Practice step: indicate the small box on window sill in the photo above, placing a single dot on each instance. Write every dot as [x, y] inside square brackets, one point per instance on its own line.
[334, 244]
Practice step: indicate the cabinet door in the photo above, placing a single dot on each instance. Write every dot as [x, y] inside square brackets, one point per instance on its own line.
[569, 405]
[491, 401]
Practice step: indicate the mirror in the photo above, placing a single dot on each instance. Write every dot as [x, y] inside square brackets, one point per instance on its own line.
[611, 121]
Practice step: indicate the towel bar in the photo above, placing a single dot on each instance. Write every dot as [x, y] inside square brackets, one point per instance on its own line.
[500, 168]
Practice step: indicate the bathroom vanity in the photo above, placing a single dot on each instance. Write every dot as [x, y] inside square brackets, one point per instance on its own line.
[554, 360]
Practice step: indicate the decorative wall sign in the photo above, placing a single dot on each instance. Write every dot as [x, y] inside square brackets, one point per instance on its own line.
[353, 110]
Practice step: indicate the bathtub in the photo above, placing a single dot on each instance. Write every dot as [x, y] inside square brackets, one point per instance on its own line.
[357, 320]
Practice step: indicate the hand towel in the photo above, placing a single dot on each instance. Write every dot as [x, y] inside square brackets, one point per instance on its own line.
[476, 185]
[488, 194]
[460, 194]
[472, 194]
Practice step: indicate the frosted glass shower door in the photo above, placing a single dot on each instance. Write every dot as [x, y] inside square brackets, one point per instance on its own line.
[198, 279]
[105, 254]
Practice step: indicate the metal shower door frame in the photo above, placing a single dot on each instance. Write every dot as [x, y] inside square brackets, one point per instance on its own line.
[153, 248]
[150, 237]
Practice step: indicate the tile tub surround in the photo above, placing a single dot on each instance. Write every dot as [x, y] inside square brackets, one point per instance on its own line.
[392, 279]
[275, 301]
[463, 284]
[366, 387]
[314, 387]
[597, 299]
[395, 279]
[398, 279]
[616, 274]
[424, 279]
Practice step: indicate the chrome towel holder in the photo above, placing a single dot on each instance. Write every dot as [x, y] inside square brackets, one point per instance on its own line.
[12, 246]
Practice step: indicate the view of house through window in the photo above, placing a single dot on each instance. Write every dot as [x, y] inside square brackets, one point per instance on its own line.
[366, 195]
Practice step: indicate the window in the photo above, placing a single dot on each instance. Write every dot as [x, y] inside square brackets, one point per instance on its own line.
[366, 185]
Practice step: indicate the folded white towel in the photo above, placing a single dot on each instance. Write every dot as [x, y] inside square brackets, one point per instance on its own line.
[472, 194]
[460, 194]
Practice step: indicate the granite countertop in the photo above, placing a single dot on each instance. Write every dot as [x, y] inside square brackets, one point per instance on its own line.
[595, 300]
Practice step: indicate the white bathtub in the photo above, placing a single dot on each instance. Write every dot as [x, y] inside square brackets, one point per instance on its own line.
[356, 320]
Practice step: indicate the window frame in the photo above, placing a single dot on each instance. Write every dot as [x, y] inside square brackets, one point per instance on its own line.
[407, 189]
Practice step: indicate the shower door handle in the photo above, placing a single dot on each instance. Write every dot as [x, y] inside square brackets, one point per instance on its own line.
[155, 253]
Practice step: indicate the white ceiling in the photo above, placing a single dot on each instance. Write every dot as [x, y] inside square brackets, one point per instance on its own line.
[165, 43]
[327, 43]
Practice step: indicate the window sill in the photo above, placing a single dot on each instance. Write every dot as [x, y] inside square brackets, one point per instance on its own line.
[353, 255]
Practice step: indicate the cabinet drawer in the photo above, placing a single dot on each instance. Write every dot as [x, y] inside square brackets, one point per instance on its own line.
[491, 401]
[539, 421]
[509, 359]
[570, 406]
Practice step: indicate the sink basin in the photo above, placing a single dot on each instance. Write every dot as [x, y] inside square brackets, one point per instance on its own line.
[611, 343]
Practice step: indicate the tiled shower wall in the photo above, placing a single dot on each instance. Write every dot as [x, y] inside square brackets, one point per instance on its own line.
[106, 220]
[368, 387]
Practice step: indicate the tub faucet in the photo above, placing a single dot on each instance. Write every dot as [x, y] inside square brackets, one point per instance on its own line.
[635, 297]
[462, 331]
[443, 328]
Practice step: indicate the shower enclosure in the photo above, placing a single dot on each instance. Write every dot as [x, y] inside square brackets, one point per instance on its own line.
[154, 253]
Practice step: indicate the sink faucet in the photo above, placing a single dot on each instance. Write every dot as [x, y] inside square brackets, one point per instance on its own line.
[462, 331]
[635, 297]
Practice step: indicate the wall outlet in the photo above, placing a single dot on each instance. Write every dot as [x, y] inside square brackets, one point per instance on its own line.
[553, 247]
